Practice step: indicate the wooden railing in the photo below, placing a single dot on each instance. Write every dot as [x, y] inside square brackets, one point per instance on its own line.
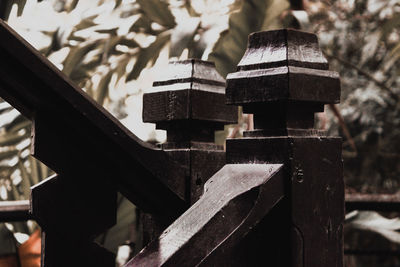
[277, 199]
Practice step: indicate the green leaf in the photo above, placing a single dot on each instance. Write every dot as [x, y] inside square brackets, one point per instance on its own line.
[197, 48]
[35, 176]
[6, 6]
[182, 35]
[158, 11]
[390, 25]
[24, 124]
[4, 106]
[111, 31]
[128, 42]
[7, 119]
[110, 45]
[15, 121]
[254, 15]
[395, 50]
[85, 23]
[8, 154]
[8, 243]
[374, 222]
[121, 68]
[14, 194]
[102, 88]
[76, 56]
[142, 24]
[26, 181]
[73, 37]
[44, 170]
[148, 54]
[124, 230]
[10, 139]
[72, 5]
[117, 3]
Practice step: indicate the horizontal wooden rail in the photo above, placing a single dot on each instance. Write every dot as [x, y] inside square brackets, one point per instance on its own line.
[11, 211]
[19, 210]
[372, 252]
[69, 125]
[378, 202]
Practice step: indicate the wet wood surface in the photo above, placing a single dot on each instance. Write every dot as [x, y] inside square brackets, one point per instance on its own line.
[236, 198]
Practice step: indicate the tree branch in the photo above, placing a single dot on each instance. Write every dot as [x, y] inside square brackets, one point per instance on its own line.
[366, 74]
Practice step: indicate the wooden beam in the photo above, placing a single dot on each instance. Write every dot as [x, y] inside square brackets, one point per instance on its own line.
[283, 79]
[235, 199]
[378, 202]
[11, 211]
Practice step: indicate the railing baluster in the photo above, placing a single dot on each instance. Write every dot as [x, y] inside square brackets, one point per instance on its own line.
[189, 102]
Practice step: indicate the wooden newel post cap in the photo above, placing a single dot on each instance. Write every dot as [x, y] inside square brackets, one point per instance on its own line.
[283, 78]
[189, 102]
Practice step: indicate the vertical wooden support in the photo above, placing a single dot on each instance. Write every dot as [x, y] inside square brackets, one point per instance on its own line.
[283, 79]
[72, 208]
[188, 102]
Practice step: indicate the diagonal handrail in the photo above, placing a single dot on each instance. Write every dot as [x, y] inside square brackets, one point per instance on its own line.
[42, 93]
[235, 200]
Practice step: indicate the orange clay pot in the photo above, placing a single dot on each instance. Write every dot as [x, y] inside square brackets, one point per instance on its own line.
[29, 253]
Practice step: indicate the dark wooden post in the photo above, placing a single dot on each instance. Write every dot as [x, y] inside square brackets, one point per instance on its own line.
[72, 207]
[283, 79]
[188, 102]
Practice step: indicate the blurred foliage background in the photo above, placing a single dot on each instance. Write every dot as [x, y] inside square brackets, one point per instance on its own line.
[113, 49]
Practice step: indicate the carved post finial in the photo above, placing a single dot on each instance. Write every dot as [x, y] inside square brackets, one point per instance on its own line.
[283, 78]
[189, 102]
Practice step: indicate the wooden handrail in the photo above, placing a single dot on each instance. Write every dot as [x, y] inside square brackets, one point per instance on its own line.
[378, 202]
[17, 210]
[283, 79]
[236, 198]
[34, 86]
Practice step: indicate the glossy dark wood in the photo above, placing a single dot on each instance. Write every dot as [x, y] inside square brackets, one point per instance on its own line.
[93, 154]
[17, 210]
[378, 202]
[283, 79]
[188, 101]
[71, 211]
[80, 120]
[279, 201]
[283, 65]
[234, 200]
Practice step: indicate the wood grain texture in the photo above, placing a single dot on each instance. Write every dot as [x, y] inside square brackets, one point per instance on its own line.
[189, 102]
[283, 83]
[283, 65]
[235, 199]
[283, 80]
[191, 73]
[286, 47]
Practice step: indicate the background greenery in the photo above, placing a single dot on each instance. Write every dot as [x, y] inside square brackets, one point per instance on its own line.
[113, 49]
